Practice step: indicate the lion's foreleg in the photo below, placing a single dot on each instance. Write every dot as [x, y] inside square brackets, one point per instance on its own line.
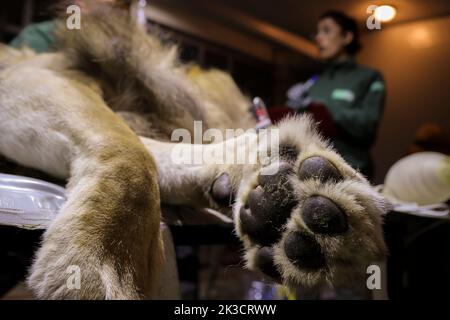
[203, 175]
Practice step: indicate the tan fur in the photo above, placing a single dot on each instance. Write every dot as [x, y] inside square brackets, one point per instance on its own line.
[56, 115]
[135, 69]
[53, 107]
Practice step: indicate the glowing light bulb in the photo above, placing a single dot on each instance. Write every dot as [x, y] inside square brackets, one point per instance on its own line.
[385, 13]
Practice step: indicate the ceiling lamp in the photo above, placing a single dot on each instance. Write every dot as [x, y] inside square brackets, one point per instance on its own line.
[385, 13]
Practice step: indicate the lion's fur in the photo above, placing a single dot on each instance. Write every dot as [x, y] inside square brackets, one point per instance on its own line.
[71, 114]
[135, 69]
[56, 117]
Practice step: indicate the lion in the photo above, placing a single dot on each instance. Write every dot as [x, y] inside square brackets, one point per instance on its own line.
[100, 111]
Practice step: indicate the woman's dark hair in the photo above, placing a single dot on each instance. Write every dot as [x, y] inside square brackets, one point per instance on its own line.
[347, 24]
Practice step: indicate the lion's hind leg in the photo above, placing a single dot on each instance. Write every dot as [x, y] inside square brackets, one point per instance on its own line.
[105, 242]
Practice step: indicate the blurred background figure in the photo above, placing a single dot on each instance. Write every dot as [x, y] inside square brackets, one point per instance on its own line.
[39, 36]
[431, 137]
[346, 99]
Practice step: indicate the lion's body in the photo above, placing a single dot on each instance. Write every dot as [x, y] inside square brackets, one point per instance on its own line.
[56, 115]
[62, 113]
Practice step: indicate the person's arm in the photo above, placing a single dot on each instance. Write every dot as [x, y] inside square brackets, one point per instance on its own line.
[361, 122]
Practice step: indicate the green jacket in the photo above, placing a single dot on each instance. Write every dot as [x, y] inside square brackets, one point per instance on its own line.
[37, 36]
[354, 95]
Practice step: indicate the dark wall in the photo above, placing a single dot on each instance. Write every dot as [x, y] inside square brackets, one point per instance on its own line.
[415, 60]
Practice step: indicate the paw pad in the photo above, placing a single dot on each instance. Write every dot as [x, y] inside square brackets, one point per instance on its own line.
[303, 251]
[268, 207]
[323, 216]
[265, 263]
[288, 153]
[222, 190]
[320, 168]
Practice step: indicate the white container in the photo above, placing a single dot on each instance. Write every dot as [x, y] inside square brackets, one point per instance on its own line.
[29, 203]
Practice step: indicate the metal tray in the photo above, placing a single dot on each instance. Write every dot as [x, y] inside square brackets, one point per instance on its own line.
[29, 203]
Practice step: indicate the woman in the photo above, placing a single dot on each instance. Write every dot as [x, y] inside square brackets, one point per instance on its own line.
[347, 97]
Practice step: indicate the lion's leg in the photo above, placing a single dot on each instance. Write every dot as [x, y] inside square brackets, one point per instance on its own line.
[186, 179]
[108, 230]
[305, 217]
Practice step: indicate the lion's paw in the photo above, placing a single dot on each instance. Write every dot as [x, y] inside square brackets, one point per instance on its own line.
[316, 220]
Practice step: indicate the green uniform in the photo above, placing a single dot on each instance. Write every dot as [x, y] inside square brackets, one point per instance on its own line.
[37, 36]
[354, 96]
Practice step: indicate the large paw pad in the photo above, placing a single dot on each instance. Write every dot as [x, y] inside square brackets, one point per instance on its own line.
[318, 167]
[303, 251]
[222, 190]
[268, 207]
